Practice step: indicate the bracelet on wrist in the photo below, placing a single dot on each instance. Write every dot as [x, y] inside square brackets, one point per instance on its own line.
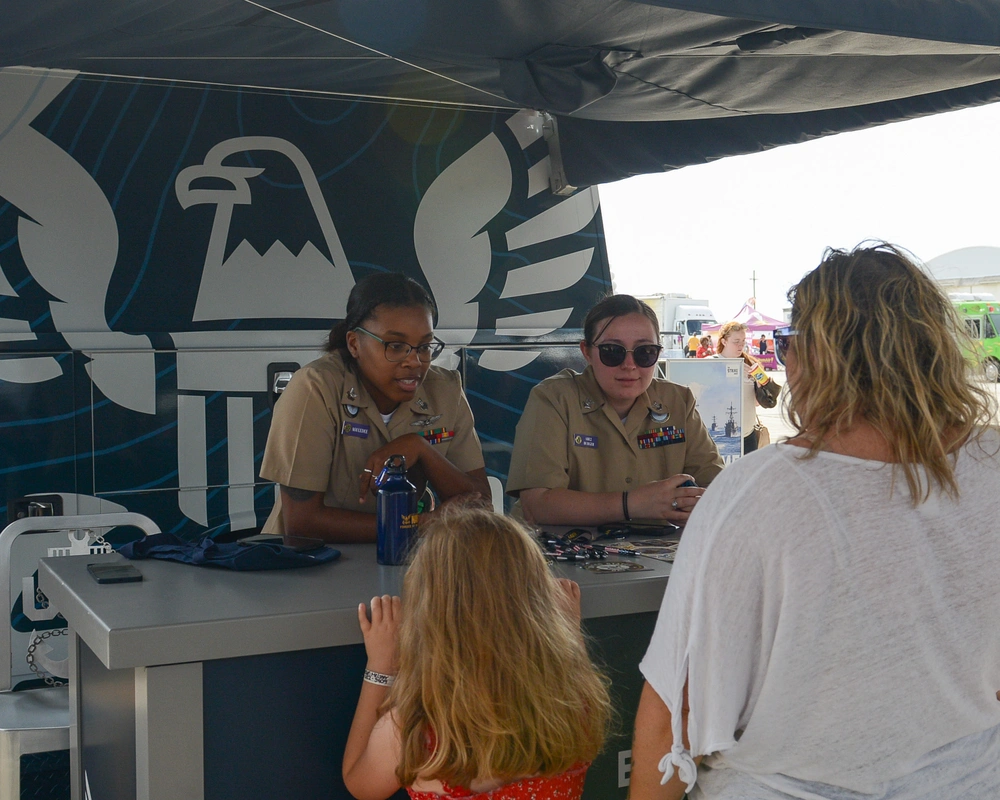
[625, 507]
[379, 678]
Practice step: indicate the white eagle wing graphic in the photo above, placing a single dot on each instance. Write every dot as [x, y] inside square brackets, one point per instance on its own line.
[68, 238]
[454, 249]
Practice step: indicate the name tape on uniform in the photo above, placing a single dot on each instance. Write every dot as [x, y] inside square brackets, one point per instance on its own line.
[355, 429]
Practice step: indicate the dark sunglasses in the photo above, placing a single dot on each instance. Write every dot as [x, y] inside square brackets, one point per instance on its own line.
[782, 338]
[644, 355]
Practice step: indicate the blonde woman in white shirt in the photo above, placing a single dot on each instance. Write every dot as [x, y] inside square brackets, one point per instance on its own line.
[846, 645]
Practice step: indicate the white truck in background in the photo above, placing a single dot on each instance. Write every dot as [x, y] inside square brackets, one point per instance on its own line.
[680, 316]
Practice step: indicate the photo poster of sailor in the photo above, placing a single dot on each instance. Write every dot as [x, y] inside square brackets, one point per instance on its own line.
[161, 244]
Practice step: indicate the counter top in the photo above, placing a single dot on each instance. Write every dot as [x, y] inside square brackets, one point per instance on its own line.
[181, 613]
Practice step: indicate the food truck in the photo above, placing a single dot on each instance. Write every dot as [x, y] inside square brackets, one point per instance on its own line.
[981, 316]
[189, 190]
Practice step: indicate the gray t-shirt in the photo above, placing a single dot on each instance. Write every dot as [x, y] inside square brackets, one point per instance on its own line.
[844, 645]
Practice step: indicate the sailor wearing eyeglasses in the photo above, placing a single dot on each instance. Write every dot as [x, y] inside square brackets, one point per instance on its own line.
[374, 394]
[612, 443]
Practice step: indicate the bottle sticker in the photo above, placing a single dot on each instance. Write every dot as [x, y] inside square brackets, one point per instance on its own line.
[354, 429]
[658, 437]
[582, 440]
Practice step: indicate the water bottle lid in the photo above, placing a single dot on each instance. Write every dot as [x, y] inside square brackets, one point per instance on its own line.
[394, 465]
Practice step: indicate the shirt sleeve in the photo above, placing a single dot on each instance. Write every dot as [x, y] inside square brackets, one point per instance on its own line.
[465, 450]
[539, 459]
[710, 630]
[303, 434]
[701, 460]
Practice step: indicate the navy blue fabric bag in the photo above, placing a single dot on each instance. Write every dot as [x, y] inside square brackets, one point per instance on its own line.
[230, 555]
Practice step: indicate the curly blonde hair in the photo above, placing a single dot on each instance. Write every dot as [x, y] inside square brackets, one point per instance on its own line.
[493, 667]
[877, 340]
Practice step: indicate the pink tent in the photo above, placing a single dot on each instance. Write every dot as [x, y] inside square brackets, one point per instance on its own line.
[750, 317]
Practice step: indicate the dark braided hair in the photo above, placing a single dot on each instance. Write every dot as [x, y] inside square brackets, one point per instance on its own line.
[390, 289]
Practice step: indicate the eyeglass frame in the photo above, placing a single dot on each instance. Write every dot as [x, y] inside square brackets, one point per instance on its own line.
[600, 353]
[435, 344]
[782, 339]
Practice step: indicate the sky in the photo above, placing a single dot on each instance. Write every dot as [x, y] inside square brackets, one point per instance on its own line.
[931, 185]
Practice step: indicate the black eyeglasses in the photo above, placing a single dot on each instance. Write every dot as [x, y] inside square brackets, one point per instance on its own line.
[644, 355]
[400, 351]
[782, 338]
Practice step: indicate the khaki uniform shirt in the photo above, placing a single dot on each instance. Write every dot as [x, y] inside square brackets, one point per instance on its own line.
[570, 437]
[325, 426]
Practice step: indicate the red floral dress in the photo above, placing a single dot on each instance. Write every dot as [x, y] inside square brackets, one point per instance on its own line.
[565, 786]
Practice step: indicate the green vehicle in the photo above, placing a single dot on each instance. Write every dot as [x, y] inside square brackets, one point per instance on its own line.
[982, 322]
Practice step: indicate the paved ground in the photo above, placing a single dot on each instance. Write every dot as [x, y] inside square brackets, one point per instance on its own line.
[778, 425]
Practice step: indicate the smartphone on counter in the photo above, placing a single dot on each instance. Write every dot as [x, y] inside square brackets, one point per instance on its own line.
[300, 544]
[114, 573]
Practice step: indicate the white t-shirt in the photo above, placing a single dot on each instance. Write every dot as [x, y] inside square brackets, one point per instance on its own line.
[841, 645]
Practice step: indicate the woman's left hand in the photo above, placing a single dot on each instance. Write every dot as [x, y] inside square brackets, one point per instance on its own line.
[410, 446]
[381, 633]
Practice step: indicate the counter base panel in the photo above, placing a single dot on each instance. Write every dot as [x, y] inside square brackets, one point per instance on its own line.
[274, 726]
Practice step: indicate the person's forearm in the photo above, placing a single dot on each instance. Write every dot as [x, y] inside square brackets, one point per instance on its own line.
[653, 739]
[365, 717]
[311, 518]
[569, 507]
[448, 480]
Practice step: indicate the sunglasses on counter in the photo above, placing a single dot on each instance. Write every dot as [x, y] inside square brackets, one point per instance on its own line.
[782, 338]
[612, 355]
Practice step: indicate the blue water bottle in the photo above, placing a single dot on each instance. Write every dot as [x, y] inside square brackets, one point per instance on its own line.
[395, 511]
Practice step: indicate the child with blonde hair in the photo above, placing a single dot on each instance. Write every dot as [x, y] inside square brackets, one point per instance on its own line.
[481, 685]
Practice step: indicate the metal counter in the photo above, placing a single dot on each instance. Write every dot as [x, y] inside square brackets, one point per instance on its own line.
[190, 683]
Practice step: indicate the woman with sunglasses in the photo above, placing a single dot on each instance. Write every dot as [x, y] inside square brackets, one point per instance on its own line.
[374, 394]
[612, 443]
[847, 646]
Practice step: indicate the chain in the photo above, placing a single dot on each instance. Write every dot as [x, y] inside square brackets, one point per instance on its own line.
[100, 541]
[50, 680]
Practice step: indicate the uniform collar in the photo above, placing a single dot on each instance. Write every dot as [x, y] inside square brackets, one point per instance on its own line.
[591, 395]
[355, 394]
[592, 398]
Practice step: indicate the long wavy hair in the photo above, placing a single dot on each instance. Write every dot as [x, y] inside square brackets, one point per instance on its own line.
[877, 340]
[494, 673]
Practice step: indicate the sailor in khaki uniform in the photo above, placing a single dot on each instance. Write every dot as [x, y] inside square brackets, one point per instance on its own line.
[326, 426]
[612, 443]
[374, 394]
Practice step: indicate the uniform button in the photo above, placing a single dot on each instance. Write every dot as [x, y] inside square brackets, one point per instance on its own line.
[628, 480]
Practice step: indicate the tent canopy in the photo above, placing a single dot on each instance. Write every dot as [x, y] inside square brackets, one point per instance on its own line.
[752, 318]
[633, 86]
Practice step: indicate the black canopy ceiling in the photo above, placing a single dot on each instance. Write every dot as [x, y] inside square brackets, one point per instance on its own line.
[635, 86]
